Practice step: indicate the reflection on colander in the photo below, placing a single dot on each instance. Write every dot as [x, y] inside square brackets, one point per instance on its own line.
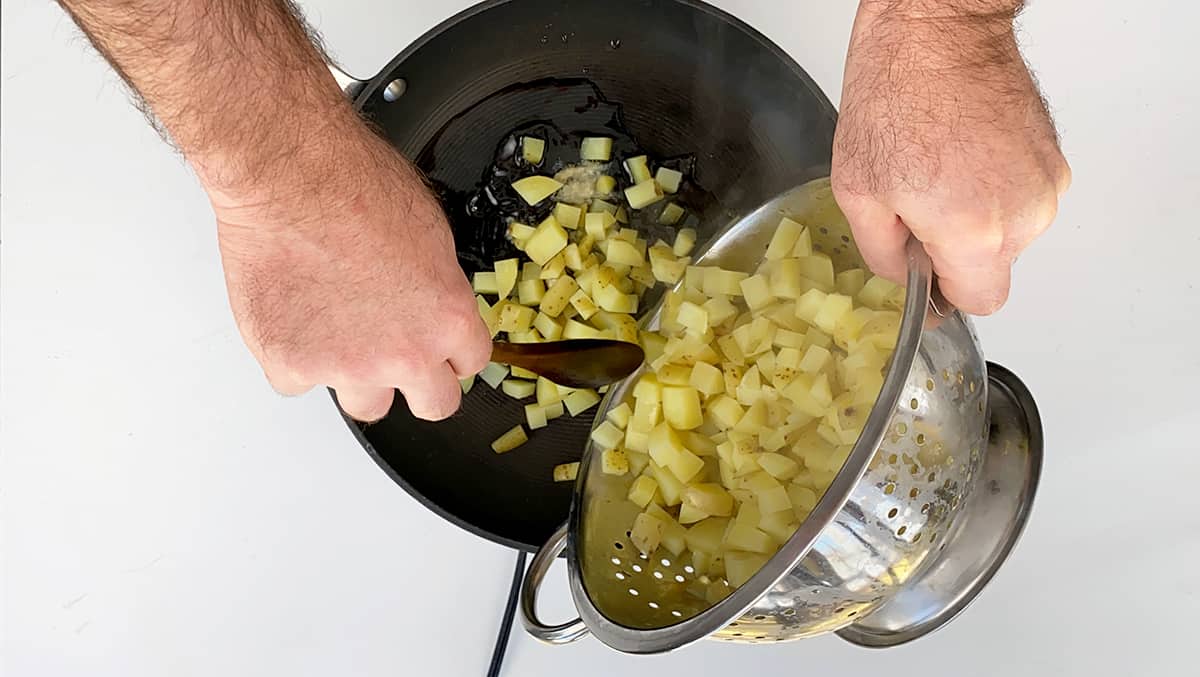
[880, 525]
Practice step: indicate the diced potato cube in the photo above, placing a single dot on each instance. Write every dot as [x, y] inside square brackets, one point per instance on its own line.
[741, 566]
[519, 233]
[668, 485]
[583, 304]
[510, 440]
[568, 215]
[757, 292]
[643, 194]
[517, 389]
[485, 282]
[706, 535]
[693, 317]
[607, 435]
[725, 412]
[850, 282]
[875, 292]
[548, 240]
[620, 415]
[673, 374]
[638, 168]
[532, 149]
[611, 299]
[597, 224]
[778, 466]
[685, 241]
[603, 206]
[547, 392]
[506, 276]
[670, 214]
[642, 490]
[804, 245]
[548, 327]
[748, 538]
[809, 305]
[648, 388]
[566, 472]
[803, 500]
[644, 275]
[493, 374]
[596, 148]
[681, 407]
[754, 421]
[707, 379]
[638, 441]
[516, 318]
[466, 384]
[489, 314]
[646, 414]
[558, 296]
[719, 310]
[816, 337]
[535, 416]
[819, 269]
[783, 242]
[620, 252]
[646, 533]
[534, 189]
[579, 401]
[605, 184]
[554, 268]
[723, 282]
[699, 443]
[669, 179]
[832, 310]
[815, 359]
[711, 499]
[689, 514]
[614, 462]
[779, 525]
[530, 292]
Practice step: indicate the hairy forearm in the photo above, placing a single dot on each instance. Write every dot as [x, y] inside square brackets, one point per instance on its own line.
[238, 84]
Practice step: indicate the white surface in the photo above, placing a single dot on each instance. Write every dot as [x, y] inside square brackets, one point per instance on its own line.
[165, 513]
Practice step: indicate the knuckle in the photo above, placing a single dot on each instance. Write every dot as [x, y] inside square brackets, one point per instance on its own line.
[435, 406]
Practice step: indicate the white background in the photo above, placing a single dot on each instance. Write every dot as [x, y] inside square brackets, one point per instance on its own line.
[165, 514]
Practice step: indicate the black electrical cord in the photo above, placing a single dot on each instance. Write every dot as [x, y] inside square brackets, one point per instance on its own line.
[510, 610]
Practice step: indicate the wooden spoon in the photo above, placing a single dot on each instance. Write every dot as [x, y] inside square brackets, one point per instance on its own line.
[575, 363]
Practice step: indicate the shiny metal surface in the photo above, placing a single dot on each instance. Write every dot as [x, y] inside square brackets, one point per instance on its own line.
[879, 526]
[983, 537]
[563, 633]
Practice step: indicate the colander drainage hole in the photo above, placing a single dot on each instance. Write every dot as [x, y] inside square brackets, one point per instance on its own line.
[653, 605]
[658, 574]
[665, 562]
[901, 530]
[689, 569]
[760, 617]
[620, 576]
[618, 546]
[892, 513]
[678, 578]
[616, 560]
[637, 568]
[677, 614]
[633, 591]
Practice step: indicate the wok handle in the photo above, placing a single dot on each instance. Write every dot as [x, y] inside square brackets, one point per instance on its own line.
[551, 634]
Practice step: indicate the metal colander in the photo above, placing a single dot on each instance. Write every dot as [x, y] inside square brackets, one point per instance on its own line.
[878, 532]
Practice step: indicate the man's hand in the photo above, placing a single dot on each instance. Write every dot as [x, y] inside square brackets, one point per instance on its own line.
[339, 263]
[944, 135]
[346, 276]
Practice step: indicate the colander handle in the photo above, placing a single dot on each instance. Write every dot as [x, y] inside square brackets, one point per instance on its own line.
[551, 634]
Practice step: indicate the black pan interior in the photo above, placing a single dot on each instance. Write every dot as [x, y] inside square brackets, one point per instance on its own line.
[680, 80]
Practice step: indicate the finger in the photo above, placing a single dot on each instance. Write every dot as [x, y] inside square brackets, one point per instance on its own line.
[287, 382]
[974, 284]
[433, 394]
[470, 348]
[880, 236]
[365, 403]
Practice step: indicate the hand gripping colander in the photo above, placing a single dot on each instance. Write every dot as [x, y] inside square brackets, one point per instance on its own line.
[927, 506]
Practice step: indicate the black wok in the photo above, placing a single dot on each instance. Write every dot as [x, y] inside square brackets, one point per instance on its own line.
[686, 83]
